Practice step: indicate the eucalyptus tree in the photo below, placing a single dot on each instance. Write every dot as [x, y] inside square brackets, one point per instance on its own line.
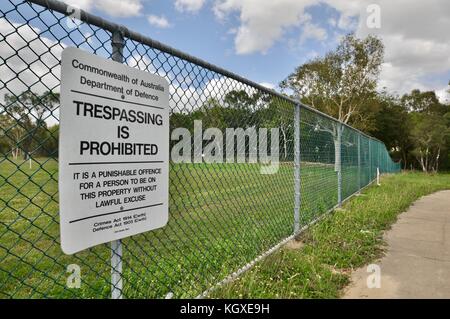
[340, 84]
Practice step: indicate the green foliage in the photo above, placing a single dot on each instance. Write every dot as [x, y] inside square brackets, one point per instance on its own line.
[423, 102]
[429, 129]
[342, 82]
[430, 134]
[241, 109]
[392, 127]
[415, 128]
[23, 125]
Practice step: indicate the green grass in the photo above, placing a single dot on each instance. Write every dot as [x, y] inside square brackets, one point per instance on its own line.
[222, 216]
[330, 249]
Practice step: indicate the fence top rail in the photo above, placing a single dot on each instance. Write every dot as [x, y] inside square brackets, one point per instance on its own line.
[112, 27]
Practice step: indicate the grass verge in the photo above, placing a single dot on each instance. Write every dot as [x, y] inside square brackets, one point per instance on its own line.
[320, 265]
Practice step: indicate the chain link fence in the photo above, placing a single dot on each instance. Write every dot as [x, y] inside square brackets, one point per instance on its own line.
[223, 216]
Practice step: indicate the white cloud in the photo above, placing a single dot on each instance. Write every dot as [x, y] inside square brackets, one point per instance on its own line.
[158, 21]
[120, 8]
[268, 85]
[415, 33]
[140, 62]
[312, 54]
[189, 5]
[189, 97]
[81, 4]
[262, 22]
[444, 94]
[313, 31]
[31, 62]
[185, 99]
[114, 8]
[185, 96]
[332, 22]
[218, 88]
[348, 10]
[415, 53]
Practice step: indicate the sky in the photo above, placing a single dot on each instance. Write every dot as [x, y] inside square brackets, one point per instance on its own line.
[264, 40]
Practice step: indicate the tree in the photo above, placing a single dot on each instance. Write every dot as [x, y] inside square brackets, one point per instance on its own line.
[278, 114]
[10, 135]
[25, 107]
[430, 128]
[340, 84]
[424, 102]
[393, 127]
[48, 140]
[430, 135]
[237, 109]
[16, 123]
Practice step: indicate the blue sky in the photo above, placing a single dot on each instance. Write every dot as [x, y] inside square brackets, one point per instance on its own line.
[264, 40]
[201, 34]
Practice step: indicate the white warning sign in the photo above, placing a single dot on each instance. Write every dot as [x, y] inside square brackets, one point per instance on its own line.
[113, 151]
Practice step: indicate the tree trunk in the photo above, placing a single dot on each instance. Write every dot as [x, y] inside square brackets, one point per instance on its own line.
[337, 154]
[404, 159]
[422, 162]
[437, 160]
[337, 138]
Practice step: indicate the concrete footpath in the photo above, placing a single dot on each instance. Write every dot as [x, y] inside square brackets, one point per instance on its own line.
[417, 261]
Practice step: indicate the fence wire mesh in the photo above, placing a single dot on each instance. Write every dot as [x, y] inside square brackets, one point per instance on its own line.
[222, 215]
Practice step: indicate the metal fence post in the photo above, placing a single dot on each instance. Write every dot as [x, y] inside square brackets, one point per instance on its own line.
[359, 162]
[117, 44]
[339, 163]
[297, 169]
